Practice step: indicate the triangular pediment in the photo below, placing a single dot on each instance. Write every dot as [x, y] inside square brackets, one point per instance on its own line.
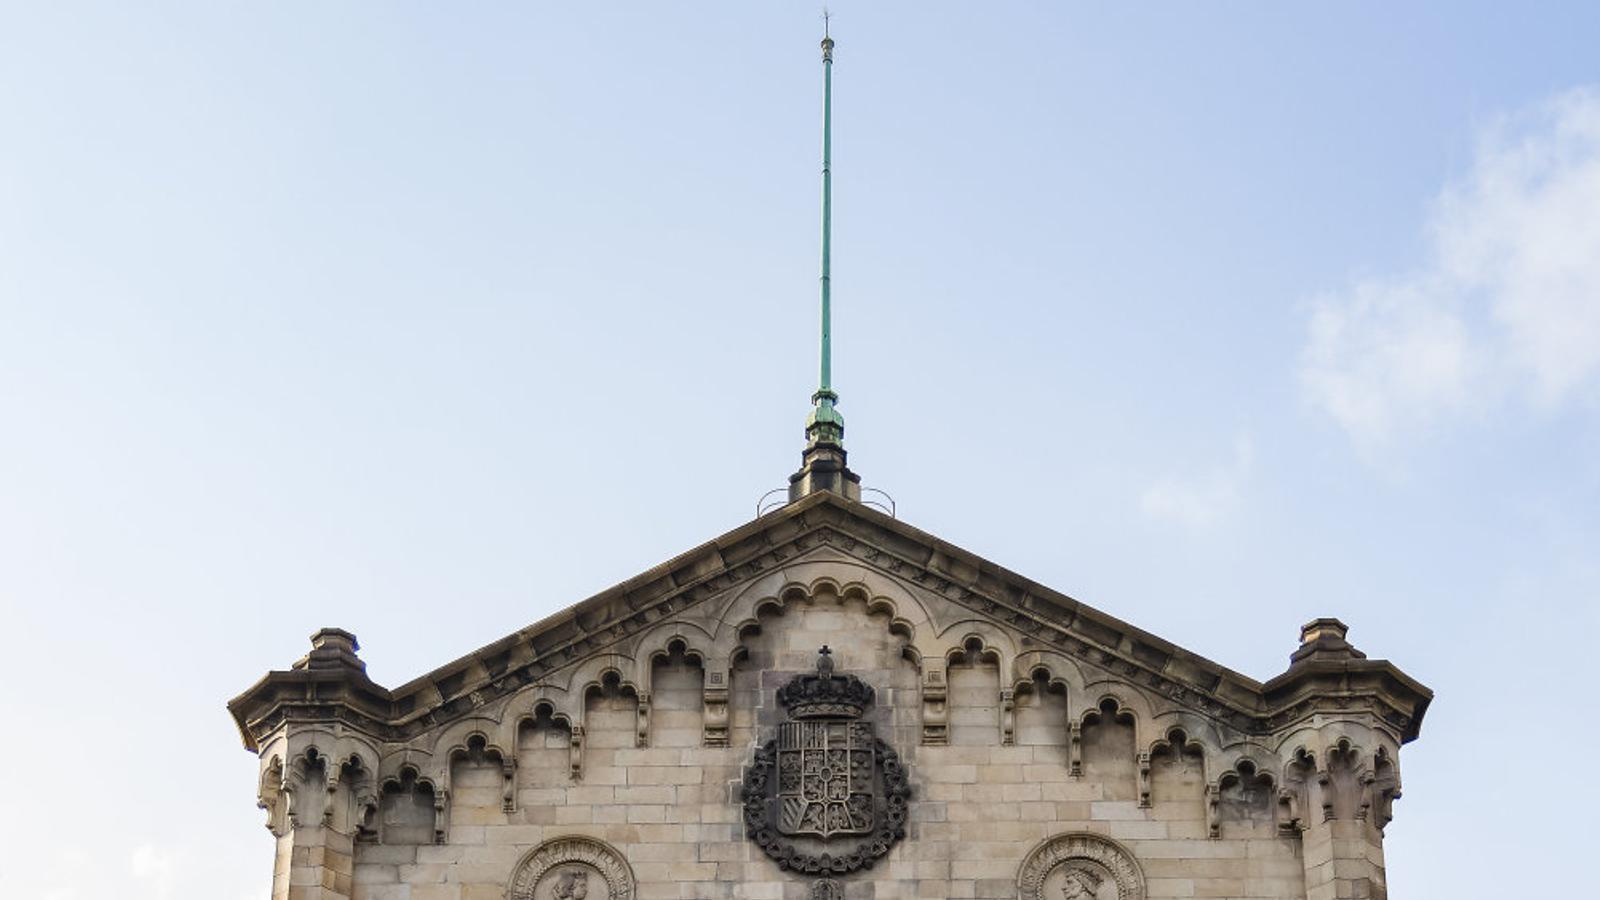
[761, 560]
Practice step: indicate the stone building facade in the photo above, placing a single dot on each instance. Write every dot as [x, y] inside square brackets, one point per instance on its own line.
[967, 734]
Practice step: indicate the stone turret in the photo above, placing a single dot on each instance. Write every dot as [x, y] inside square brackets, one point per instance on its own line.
[1343, 717]
[312, 727]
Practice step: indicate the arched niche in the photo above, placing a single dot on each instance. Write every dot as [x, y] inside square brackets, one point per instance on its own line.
[409, 809]
[978, 705]
[1110, 754]
[482, 776]
[1177, 777]
[676, 696]
[1246, 801]
[1043, 710]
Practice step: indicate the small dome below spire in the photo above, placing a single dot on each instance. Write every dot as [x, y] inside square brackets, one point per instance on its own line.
[825, 425]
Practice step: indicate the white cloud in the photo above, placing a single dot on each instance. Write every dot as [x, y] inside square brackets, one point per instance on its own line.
[1506, 310]
[1204, 500]
[155, 867]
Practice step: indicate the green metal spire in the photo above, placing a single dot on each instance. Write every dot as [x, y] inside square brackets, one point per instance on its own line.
[822, 464]
[825, 425]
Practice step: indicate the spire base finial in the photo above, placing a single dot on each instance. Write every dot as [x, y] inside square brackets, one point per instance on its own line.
[823, 469]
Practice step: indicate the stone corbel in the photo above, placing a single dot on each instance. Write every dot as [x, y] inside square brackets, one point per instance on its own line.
[275, 823]
[1364, 806]
[1075, 749]
[366, 823]
[508, 787]
[1213, 810]
[1325, 792]
[291, 797]
[575, 753]
[714, 718]
[1008, 717]
[642, 738]
[273, 797]
[332, 787]
[1385, 803]
[440, 819]
[1289, 810]
[935, 709]
[1142, 759]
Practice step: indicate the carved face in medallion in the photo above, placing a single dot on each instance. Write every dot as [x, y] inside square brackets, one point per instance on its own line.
[1080, 866]
[565, 883]
[1079, 881]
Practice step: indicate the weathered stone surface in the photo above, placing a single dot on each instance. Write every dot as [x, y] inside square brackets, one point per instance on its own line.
[1051, 751]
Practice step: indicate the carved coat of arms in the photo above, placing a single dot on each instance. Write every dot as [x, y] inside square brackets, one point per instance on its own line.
[826, 795]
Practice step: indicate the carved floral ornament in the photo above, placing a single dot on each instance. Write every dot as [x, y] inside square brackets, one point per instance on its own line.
[572, 868]
[827, 889]
[1080, 866]
[826, 796]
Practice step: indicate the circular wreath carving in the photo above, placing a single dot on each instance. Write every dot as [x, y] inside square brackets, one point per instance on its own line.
[1080, 865]
[582, 855]
[891, 825]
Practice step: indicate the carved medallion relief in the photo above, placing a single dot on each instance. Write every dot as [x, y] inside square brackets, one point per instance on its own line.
[1080, 867]
[572, 868]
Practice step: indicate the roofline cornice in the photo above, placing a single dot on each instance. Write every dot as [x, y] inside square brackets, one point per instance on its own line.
[1044, 615]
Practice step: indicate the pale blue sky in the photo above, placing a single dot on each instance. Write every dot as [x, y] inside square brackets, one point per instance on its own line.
[426, 320]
